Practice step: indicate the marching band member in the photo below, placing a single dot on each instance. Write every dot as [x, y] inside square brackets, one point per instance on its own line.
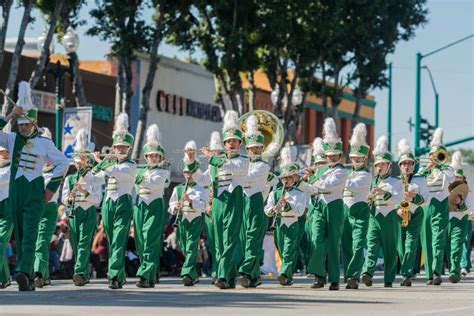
[228, 211]
[415, 193]
[286, 204]
[27, 193]
[188, 203]
[6, 222]
[149, 214]
[436, 215]
[82, 194]
[384, 226]
[119, 172]
[356, 208]
[254, 220]
[318, 160]
[329, 215]
[458, 220]
[46, 228]
[215, 146]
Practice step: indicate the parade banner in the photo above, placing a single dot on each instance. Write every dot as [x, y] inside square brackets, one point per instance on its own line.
[74, 119]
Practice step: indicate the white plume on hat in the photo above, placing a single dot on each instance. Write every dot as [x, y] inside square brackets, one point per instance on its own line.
[153, 135]
[216, 142]
[252, 125]
[231, 120]
[7, 128]
[381, 147]
[81, 141]
[286, 156]
[190, 145]
[330, 131]
[121, 124]
[404, 147]
[359, 135]
[456, 160]
[46, 133]
[24, 96]
[437, 137]
[318, 147]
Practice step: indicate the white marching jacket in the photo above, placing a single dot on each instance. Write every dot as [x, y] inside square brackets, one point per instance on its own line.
[296, 199]
[357, 187]
[4, 182]
[330, 185]
[199, 197]
[270, 184]
[34, 155]
[438, 182]
[418, 185]
[153, 186]
[92, 184]
[120, 179]
[385, 203]
[256, 178]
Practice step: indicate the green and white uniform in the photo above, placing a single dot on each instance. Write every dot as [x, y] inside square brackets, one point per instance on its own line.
[384, 227]
[254, 222]
[47, 225]
[410, 235]
[149, 218]
[28, 156]
[6, 222]
[436, 218]
[287, 226]
[227, 211]
[328, 221]
[117, 211]
[190, 223]
[84, 222]
[356, 221]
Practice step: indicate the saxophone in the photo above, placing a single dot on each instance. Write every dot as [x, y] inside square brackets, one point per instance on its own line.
[404, 205]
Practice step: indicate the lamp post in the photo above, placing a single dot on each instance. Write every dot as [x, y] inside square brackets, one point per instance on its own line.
[419, 57]
[436, 95]
[71, 44]
[389, 108]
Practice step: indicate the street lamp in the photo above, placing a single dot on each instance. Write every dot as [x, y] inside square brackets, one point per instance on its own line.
[71, 44]
[436, 94]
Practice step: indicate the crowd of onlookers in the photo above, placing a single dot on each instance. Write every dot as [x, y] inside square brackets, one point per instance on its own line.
[61, 256]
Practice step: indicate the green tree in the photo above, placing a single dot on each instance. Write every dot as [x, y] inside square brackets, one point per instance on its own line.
[6, 6]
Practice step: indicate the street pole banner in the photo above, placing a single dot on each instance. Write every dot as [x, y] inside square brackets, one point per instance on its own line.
[75, 118]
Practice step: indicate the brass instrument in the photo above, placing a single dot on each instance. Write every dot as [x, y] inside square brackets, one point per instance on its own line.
[372, 200]
[279, 208]
[404, 205]
[440, 156]
[271, 128]
[457, 189]
[181, 200]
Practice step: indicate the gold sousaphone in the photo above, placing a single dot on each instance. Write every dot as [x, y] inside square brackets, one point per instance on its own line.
[457, 188]
[271, 128]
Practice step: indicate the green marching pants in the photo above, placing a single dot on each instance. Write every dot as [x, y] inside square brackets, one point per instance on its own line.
[309, 228]
[433, 235]
[327, 234]
[354, 236]
[46, 229]
[189, 234]
[26, 200]
[210, 242]
[457, 230]
[116, 218]
[254, 225]
[303, 245]
[466, 251]
[286, 239]
[83, 225]
[226, 220]
[408, 243]
[6, 229]
[383, 232]
[149, 222]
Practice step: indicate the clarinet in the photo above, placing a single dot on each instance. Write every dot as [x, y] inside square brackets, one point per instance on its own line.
[278, 208]
[372, 200]
[176, 220]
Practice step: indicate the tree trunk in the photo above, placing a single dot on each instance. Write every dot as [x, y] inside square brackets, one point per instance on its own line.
[252, 95]
[3, 32]
[118, 88]
[150, 78]
[40, 65]
[355, 116]
[15, 63]
[77, 86]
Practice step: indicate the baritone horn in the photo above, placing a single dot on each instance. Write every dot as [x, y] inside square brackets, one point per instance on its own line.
[440, 156]
[271, 128]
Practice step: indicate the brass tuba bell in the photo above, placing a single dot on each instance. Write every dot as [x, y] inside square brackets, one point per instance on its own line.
[440, 156]
[271, 128]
